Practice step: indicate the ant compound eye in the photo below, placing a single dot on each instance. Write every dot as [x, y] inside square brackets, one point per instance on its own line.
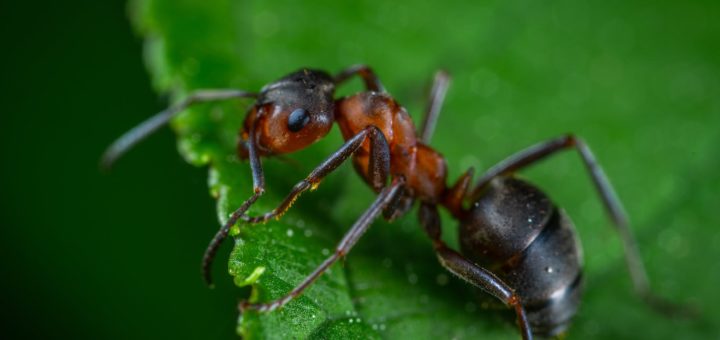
[298, 119]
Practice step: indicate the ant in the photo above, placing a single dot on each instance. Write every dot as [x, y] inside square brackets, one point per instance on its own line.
[517, 245]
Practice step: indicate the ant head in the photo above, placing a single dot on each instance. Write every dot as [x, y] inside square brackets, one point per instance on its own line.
[292, 113]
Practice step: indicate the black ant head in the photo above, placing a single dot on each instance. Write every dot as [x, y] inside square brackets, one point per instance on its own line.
[292, 113]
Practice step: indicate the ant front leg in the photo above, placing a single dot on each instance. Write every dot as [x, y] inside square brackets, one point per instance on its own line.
[148, 127]
[379, 169]
[258, 190]
[540, 151]
[469, 271]
[372, 83]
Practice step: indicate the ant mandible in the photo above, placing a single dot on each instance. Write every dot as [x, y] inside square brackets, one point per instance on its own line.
[516, 244]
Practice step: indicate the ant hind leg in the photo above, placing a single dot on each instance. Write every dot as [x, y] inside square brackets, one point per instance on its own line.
[465, 269]
[615, 210]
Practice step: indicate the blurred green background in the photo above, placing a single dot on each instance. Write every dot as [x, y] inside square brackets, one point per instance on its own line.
[92, 255]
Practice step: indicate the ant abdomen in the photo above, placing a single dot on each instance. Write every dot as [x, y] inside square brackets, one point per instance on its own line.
[514, 230]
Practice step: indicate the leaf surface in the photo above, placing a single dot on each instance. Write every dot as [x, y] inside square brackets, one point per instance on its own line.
[522, 73]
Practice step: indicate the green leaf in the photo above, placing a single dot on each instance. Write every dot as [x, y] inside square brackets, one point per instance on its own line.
[523, 72]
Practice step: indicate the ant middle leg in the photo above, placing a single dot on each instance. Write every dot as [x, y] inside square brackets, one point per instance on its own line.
[465, 269]
[386, 196]
[540, 151]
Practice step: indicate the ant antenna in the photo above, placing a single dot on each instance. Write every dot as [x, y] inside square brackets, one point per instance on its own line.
[437, 97]
[128, 140]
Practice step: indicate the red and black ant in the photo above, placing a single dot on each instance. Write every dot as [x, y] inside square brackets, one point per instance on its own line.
[517, 245]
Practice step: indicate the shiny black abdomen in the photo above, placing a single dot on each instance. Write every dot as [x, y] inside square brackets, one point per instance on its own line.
[517, 232]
